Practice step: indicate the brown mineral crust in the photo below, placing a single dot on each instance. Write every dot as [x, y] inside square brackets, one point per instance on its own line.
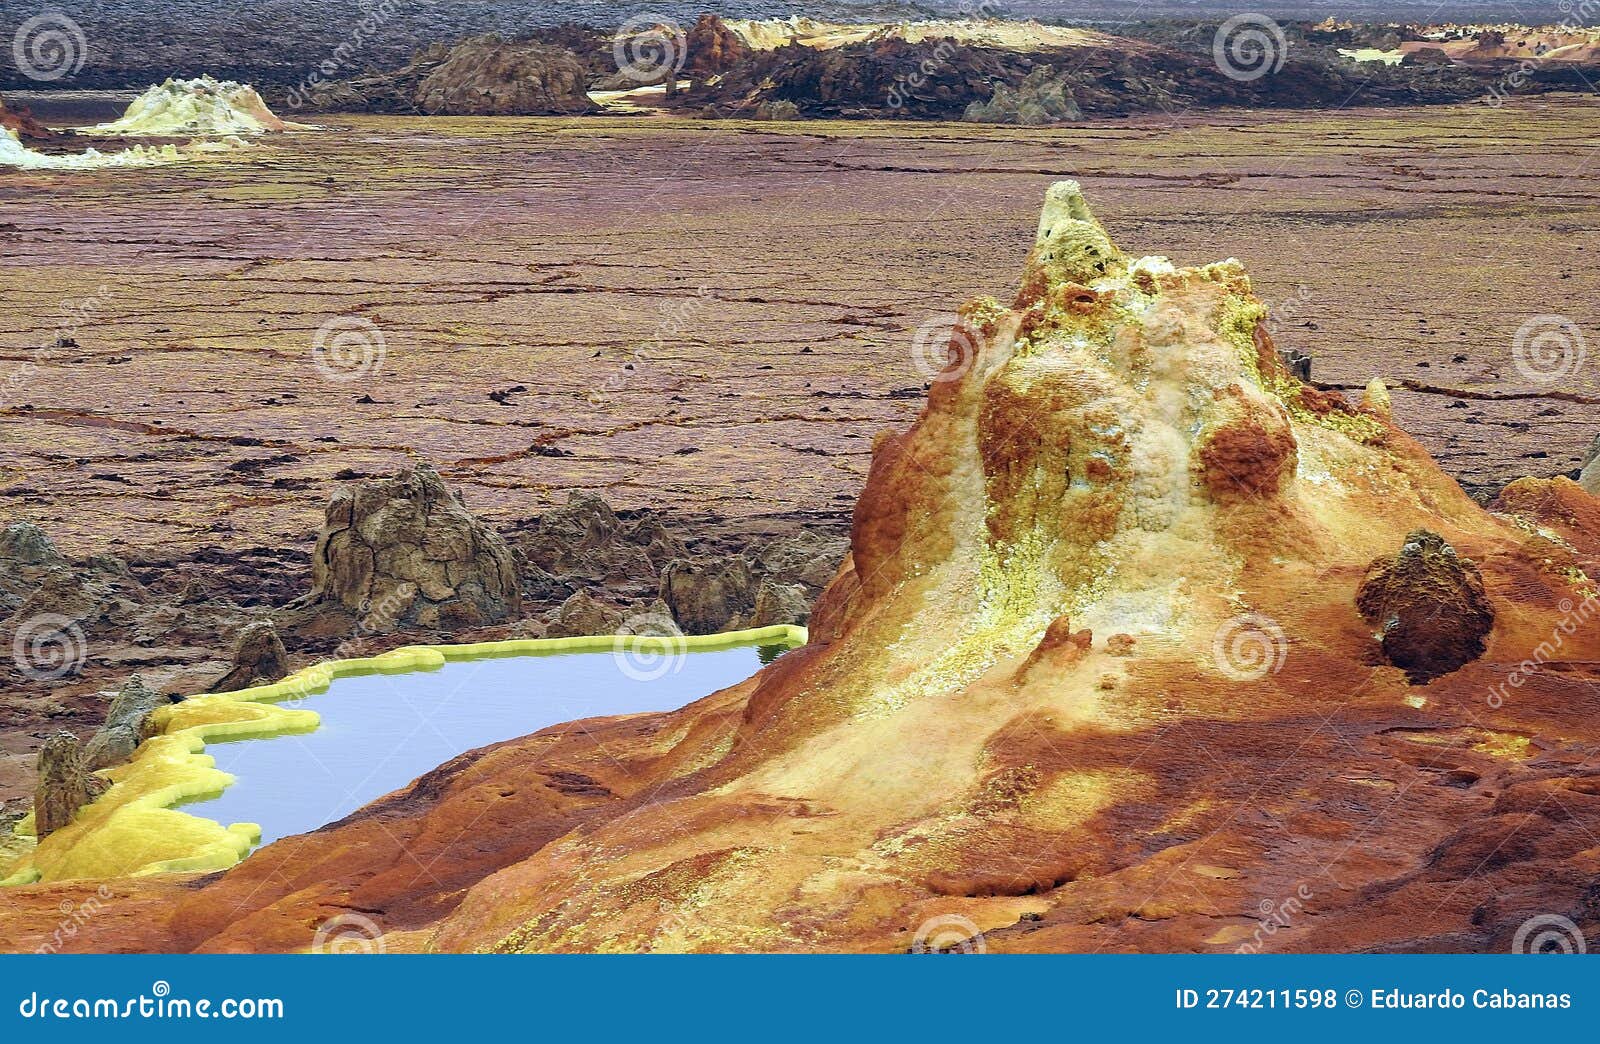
[1252, 455]
[1429, 605]
[1560, 504]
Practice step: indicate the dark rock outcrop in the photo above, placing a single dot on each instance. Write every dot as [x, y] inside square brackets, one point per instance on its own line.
[583, 614]
[491, 77]
[778, 603]
[63, 785]
[258, 658]
[708, 596]
[1429, 606]
[124, 728]
[405, 551]
[586, 540]
[25, 544]
[482, 76]
[712, 48]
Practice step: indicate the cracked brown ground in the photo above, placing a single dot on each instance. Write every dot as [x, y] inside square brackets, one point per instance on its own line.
[763, 281]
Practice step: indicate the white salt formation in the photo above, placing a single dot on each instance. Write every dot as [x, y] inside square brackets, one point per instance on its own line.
[15, 154]
[766, 35]
[201, 106]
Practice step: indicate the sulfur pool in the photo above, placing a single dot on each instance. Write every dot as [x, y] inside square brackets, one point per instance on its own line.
[378, 732]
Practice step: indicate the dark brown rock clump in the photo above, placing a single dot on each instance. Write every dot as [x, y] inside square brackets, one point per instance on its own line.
[125, 726]
[1429, 606]
[482, 76]
[258, 658]
[63, 785]
[406, 552]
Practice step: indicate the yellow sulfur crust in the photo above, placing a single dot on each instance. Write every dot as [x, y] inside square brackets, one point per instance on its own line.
[133, 829]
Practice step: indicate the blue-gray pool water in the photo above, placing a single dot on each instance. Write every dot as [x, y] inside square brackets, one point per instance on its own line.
[380, 732]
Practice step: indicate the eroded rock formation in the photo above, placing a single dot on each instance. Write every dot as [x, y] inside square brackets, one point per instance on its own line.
[1589, 477]
[711, 47]
[124, 727]
[406, 551]
[1043, 96]
[583, 614]
[481, 76]
[63, 785]
[20, 122]
[258, 658]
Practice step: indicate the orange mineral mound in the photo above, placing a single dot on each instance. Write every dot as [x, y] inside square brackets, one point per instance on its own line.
[1095, 677]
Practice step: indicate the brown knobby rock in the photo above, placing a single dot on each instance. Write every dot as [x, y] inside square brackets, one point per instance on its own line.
[63, 785]
[258, 658]
[125, 725]
[1429, 606]
[405, 551]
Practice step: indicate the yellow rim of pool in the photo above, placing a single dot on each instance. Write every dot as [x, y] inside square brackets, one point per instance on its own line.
[133, 829]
